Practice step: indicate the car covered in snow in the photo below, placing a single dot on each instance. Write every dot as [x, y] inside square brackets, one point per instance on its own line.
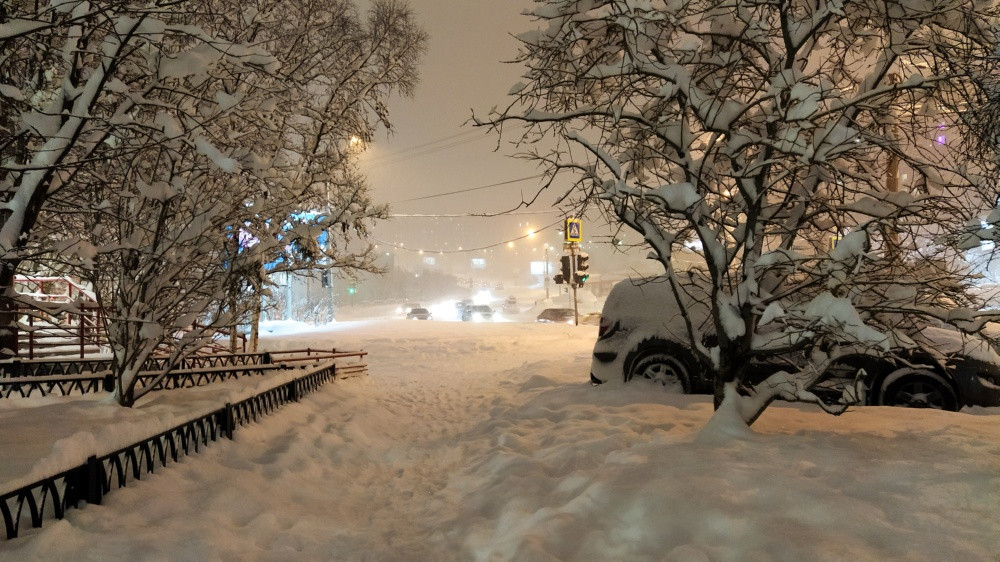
[643, 335]
[557, 315]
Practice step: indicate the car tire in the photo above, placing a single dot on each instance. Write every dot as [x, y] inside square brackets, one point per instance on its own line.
[666, 364]
[917, 388]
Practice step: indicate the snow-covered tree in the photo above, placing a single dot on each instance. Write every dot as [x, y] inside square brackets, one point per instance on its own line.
[162, 149]
[815, 150]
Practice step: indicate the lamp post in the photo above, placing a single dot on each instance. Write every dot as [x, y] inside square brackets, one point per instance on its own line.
[546, 279]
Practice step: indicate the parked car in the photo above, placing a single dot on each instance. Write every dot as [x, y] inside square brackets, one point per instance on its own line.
[510, 306]
[557, 315]
[418, 314]
[477, 313]
[643, 335]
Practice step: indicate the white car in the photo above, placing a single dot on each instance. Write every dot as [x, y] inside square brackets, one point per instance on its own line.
[643, 334]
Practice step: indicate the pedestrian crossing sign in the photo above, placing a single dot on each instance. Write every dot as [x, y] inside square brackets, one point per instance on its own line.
[574, 232]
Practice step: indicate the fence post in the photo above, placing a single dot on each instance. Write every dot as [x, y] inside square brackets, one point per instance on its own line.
[94, 491]
[227, 420]
[80, 318]
[293, 391]
[31, 335]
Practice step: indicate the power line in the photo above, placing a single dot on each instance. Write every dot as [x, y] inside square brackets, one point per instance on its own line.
[467, 250]
[428, 143]
[473, 215]
[426, 148]
[508, 182]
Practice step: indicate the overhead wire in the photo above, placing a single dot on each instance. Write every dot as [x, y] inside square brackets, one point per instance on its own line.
[467, 190]
[426, 148]
[429, 148]
[467, 250]
[476, 215]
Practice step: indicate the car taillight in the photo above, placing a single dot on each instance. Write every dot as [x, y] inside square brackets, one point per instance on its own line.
[606, 328]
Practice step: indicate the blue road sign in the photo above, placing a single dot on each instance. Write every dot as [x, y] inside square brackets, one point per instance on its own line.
[574, 231]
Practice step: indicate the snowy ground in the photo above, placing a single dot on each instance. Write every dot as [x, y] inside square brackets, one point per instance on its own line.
[485, 442]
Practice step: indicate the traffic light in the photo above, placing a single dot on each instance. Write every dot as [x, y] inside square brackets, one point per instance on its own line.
[580, 276]
[567, 267]
[559, 279]
[351, 290]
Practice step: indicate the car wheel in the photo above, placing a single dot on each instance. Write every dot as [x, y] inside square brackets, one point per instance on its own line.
[917, 388]
[663, 366]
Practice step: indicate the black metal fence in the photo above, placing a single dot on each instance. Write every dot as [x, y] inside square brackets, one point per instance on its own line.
[65, 385]
[25, 379]
[51, 367]
[92, 480]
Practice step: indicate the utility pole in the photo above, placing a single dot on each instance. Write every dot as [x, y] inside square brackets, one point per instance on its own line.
[546, 272]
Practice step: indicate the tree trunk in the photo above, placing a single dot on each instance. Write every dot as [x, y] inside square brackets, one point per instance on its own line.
[255, 323]
[8, 310]
[891, 237]
[727, 423]
[732, 368]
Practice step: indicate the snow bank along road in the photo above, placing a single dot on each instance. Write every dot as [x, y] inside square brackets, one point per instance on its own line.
[485, 442]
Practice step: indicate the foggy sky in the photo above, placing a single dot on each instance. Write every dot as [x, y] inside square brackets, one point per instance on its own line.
[435, 150]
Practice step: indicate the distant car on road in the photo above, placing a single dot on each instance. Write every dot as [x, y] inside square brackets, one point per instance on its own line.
[643, 335]
[477, 313]
[418, 314]
[557, 315]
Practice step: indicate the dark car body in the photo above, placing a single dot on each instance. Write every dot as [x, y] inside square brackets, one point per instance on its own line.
[643, 335]
[418, 314]
[557, 315]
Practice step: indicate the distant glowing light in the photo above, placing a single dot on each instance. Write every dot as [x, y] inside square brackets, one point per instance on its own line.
[510, 244]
